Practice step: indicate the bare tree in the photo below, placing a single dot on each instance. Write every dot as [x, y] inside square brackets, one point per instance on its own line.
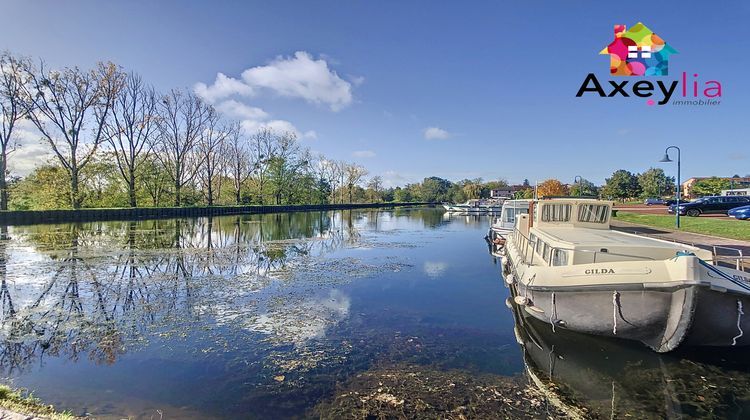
[376, 187]
[354, 174]
[263, 150]
[341, 177]
[131, 127]
[69, 108]
[13, 77]
[240, 161]
[182, 119]
[212, 151]
[325, 170]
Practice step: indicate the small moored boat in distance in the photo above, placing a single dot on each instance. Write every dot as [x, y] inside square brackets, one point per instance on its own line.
[569, 269]
[476, 205]
[504, 224]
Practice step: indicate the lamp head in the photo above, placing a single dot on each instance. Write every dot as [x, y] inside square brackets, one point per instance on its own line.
[666, 158]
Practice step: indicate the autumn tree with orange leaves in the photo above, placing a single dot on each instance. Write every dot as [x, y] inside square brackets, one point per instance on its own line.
[552, 187]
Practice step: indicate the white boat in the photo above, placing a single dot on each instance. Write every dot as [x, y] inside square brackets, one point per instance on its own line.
[503, 225]
[476, 206]
[569, 269]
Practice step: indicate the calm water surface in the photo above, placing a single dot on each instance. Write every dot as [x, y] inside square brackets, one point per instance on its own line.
[266, 315]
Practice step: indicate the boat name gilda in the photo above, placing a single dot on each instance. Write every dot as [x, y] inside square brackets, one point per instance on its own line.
[742, 278]
[645, 88]
[600, 271]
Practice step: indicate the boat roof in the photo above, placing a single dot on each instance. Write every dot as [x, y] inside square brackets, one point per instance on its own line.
[517, 203]
[599, 238]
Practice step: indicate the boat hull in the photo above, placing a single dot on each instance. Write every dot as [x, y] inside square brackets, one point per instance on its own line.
[663, 319]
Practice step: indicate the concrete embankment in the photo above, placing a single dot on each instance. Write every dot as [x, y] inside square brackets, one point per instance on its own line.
[24, 217]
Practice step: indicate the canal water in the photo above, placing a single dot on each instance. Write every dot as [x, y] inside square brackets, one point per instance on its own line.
[286, 315]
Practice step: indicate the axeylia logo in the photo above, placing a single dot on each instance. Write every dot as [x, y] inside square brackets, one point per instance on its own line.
[639, 52]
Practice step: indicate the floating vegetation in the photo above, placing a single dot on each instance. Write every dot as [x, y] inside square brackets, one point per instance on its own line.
[405, 391]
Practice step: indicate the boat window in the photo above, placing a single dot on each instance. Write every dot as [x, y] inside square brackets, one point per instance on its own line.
[593, 213]
[545, 253]
[560, 257]
[539, 247]
[556, 212]
[510, 214]
[532, 239]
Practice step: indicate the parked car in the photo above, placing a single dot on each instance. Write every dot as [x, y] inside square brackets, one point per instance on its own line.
[709, 205]
[740, 213]
[654, 202]
[672, 201]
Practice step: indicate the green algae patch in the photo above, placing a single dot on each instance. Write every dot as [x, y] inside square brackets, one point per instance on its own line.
[417, 392]
[25, 403]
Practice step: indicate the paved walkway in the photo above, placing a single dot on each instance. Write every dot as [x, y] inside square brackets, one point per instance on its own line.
[703, 241]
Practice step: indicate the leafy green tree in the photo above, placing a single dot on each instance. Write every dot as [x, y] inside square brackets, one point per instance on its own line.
[622, 185]
[472, 190]
[710, 186]
[526, 193]
[402, 195]
[654, 183]
[584, 187]
[435, 189]
[45, 188]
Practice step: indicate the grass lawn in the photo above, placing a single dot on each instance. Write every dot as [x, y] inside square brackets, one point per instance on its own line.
[735, 229]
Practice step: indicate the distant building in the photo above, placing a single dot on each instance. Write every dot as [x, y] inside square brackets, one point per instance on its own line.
[687, 185]
[501, 193]
[740, 191]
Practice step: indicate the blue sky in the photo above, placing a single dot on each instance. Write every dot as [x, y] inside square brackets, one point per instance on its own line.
[498, 79]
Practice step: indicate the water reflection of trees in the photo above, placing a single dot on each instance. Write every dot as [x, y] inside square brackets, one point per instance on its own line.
[106, 286]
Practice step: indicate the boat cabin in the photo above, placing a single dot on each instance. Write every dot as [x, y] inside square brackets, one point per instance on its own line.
[572, 231]
[511, 208]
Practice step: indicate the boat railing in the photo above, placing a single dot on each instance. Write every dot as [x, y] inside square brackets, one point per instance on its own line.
[722, 255]
[725, 255]
[525, 245]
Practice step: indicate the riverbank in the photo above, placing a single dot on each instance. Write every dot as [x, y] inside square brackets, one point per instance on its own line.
[717, 227]
[32, 217]
[15, 405]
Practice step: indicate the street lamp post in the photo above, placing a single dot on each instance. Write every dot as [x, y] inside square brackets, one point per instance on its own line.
[677, 184]
[577, 180]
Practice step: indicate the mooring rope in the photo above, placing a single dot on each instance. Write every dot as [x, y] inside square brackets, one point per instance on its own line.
[551, 358]
[739, 318]
[553, 315]
[612, 415]
[614, 312]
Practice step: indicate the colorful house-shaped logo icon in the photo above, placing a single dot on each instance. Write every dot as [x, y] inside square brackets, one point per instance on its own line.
[638, 52]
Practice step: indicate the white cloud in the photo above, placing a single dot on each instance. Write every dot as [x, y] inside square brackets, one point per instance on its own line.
[278, 126]
[393, 179]
[364, 154]
[236, 109]
[223, 87]
[299, 76]
[303, 77]
[436, 133]
[356, 80]
[30, 151]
